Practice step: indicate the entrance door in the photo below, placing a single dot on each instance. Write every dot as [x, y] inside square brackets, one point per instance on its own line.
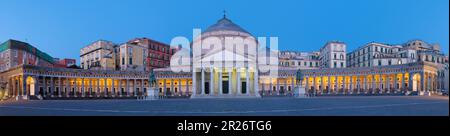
[206, 87]
[225, 87]
[244, 88]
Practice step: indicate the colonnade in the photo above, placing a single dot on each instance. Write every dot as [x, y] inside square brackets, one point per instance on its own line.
[56, 86]
[371, 83]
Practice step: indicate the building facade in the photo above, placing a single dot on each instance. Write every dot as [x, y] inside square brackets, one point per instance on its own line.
[379, 54]
[14, 53]
[300, 60]
[100, 55]
[132, 57]
[159, 54]
[65, 63]
[332, 55]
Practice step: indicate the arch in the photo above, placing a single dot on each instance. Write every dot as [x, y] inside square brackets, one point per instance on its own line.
[416, 82]
[31, 85]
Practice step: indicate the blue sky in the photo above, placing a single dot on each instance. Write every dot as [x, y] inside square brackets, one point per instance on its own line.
[61, 28]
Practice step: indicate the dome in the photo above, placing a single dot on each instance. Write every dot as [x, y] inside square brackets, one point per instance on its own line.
[225, 24]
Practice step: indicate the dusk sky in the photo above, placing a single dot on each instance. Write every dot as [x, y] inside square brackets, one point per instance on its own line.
[62, 28]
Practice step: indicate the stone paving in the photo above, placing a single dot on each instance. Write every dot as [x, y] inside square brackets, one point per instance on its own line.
[318, 106]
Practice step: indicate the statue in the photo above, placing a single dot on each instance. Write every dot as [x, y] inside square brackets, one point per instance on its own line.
[301, 90]
[151, 93]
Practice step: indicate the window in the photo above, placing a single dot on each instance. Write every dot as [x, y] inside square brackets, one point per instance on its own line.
[123, 61]
[376, 48]
[130, 61]
[342, 64]
[310, 64]
[334, 64]
[335, 56]
[399, 61]
[389, 62]
[379, 62]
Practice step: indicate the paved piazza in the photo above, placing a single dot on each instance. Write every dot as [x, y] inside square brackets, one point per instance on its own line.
[320, 106]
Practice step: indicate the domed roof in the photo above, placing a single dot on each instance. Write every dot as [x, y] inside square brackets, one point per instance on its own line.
[225, 24]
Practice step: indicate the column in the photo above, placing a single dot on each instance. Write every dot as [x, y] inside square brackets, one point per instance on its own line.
[119, 81]
[97, 91]
[270, 85]
[194, 82]
[44, 86]
[179, 87]
[410, 81]
[344, 84]
[59, 87]
[380, 81]
[211, 81]
[329, 84]
[403, 82]
[314, 85]
[76, 88]
[105, 86]
[24, 85]
[374, 83]
[292, 84]
[238, 83]
[67, 90]
[186, 92]
[82, 87]
[172, 92]
[336, 83]
[230, 83]
[388, 82]
[307, 85]
[322, 84]
[90, 87]
[113, 90]
[365, 83]
[164, 87]
[278, 86]
[429, 82]
[422, 81]
[350, 86]
[203, 81]
[256, 80]
[142, 87]
[127, 89]
[247, 81]
[220, 82]
[358, 84]
[434, 83]
[52, 86]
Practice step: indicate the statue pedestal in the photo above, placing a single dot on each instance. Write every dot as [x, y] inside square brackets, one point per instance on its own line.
[151, 94]
[301, 93]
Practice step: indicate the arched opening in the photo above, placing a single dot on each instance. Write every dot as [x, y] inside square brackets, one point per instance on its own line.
[416, 82]
[31, 84]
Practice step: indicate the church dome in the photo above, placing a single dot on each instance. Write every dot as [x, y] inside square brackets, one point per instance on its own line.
[225, 24]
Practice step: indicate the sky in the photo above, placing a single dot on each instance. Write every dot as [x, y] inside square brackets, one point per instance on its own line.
[62, 27]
